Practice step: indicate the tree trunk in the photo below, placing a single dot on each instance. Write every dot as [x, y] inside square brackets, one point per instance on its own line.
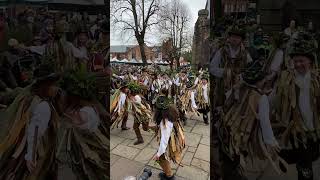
[143, 53]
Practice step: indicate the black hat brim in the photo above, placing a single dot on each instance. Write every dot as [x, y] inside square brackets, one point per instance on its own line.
[237, 34]
[51, 77]
[308, 55]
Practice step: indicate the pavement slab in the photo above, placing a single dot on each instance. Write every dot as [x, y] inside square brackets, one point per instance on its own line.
[201, 164]
[192, 149]
[192, 173]
[187, 158]
[113, 158]
[205, 140]
[192, 139]
[203, 153]
[120, 169]
[145, 155]
[128, 134]
[201, 129]
[191, 123]
[114, 141]
[125, 151]
[187, 128]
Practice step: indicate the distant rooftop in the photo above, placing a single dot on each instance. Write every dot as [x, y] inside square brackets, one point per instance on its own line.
[121, 48]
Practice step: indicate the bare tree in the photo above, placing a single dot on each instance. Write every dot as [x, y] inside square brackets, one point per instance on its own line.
[175, 26]
[137, 17]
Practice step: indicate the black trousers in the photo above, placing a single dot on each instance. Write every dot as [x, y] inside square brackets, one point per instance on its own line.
[230, 168]
[302, 157]
[182, 115]
[204, 113]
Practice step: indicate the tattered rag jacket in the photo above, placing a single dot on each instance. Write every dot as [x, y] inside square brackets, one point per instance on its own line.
[288, 110]
[13, 146]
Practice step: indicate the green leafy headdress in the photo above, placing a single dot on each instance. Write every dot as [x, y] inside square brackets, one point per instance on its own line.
[80, 83]
[134, 87]
[303, 45]
[163, 102]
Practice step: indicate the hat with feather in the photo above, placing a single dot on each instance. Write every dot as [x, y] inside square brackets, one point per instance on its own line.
[303, 45]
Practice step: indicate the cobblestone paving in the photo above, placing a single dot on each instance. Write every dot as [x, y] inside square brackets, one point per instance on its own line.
[130, 160]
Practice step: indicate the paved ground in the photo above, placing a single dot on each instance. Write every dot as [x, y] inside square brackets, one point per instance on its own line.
[130, 160]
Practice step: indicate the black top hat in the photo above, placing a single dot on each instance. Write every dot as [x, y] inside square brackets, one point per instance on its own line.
[253, 73]
[44, 73]
[105, 27]
[237, 31]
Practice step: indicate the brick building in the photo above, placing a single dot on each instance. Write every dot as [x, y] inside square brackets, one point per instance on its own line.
[133, 52]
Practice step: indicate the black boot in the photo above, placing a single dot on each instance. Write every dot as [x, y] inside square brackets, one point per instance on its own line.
[163, 176]
[139, 137]
[205, 119]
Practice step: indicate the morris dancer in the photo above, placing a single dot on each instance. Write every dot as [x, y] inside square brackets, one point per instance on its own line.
[83, 129]
[141, 111]
[119, 107]
[28, 153]
[250, 137]
[298, 92]
[170, 134]
[202, 98]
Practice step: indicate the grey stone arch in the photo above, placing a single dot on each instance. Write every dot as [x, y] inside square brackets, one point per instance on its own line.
[290, 12]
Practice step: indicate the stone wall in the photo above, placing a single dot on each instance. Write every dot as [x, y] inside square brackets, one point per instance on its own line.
[200, 47]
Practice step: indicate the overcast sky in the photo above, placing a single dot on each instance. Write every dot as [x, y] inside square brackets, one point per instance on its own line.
[194, 6]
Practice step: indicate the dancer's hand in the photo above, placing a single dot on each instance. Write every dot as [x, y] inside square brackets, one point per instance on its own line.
[156, 157]
[31, 165]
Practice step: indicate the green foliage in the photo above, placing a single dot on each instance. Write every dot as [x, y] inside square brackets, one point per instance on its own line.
[80, 83]
[134, 87]
[163, 102]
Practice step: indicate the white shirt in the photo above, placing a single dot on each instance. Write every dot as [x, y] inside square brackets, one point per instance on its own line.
[264, 120]
[292, 33]
[193, 102]
[90, 116]
[134, 77]
[277, 61]
[215, 69]
[122, 100]
[196, 81]
[40, 117]
[303, 82]
[165, 136]
[205, 92]
[138, 99]
[146, 81]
